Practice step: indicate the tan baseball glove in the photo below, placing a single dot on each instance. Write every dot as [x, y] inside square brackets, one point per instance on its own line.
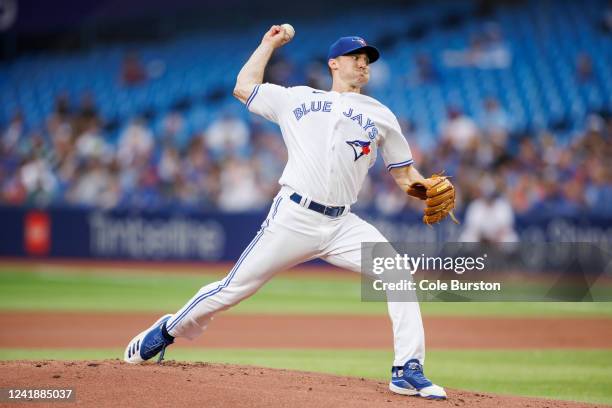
[439, 196]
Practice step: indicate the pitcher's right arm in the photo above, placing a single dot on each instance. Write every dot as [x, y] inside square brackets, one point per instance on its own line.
[252, 72]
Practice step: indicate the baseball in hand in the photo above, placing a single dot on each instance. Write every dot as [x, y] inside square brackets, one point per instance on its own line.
[289, 30]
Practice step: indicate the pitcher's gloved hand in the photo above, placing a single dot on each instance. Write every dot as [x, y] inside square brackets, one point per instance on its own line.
[439, 196]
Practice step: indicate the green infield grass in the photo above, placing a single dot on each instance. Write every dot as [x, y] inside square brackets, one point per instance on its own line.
[54, 289]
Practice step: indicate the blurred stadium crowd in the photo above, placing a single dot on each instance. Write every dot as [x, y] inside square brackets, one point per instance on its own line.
[232, 161]
[233, 164]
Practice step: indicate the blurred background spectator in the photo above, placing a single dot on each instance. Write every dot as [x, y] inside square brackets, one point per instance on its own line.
[132, 70]
[489, 217]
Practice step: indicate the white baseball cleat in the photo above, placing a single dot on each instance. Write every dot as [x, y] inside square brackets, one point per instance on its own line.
[149, 343]
[410, 380]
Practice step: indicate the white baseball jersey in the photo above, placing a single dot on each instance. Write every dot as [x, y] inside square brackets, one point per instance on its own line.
[332, 139]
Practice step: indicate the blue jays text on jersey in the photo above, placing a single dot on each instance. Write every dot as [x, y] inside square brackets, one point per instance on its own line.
[325, 106]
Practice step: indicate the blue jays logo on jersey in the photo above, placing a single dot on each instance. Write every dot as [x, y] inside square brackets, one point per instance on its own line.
[359, 148]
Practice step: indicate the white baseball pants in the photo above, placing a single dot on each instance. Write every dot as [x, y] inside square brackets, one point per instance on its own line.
[290, 235]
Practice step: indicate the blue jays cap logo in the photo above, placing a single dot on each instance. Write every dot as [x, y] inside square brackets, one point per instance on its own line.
[360, 41]
[359, 148]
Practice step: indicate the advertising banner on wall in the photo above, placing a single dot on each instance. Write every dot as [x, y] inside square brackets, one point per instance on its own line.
[213, 237]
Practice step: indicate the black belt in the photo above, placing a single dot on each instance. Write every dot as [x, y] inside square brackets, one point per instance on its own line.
[320, 208]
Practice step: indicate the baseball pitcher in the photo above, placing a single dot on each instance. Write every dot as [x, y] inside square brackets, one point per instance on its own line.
[333, 137]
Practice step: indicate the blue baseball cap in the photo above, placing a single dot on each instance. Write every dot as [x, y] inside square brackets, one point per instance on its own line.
[349, 45]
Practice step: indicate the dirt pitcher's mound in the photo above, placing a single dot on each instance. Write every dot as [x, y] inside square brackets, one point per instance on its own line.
[112, 383]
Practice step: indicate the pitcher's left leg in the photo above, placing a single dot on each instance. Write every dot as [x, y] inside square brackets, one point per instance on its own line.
[344, 250]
